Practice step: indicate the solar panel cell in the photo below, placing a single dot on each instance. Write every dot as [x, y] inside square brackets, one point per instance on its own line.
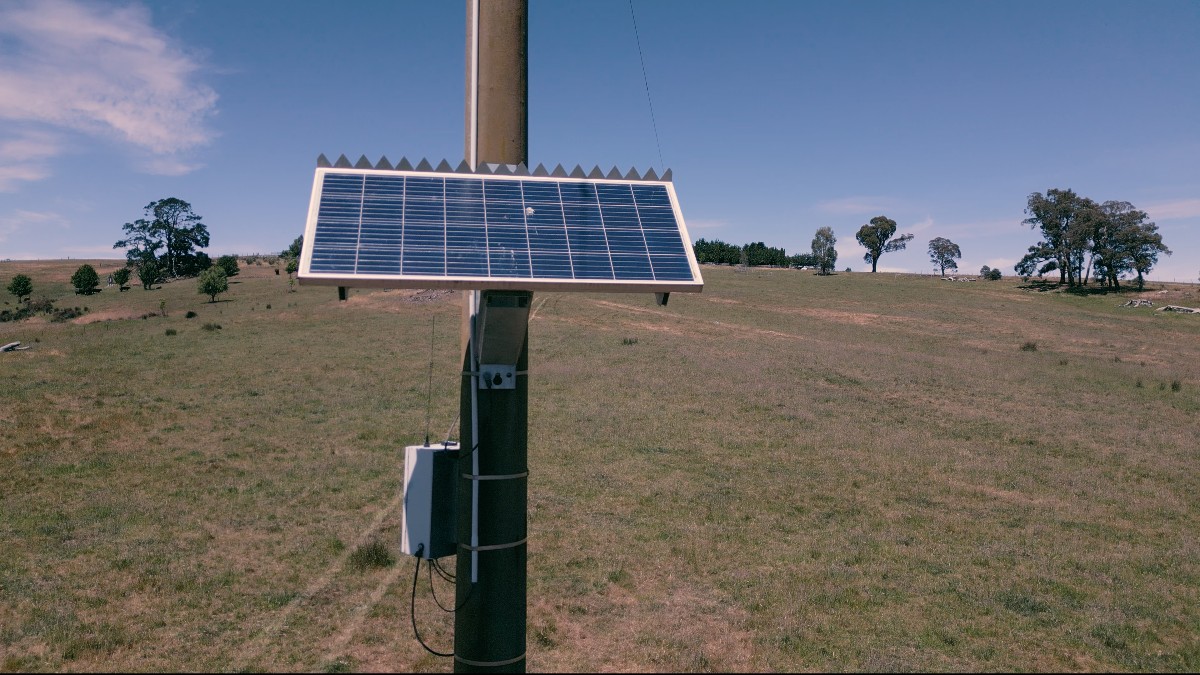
[410, 229]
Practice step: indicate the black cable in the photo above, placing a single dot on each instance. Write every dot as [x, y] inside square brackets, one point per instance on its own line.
[441, 571]
[461, 457]
[433, 591]
[412, 606]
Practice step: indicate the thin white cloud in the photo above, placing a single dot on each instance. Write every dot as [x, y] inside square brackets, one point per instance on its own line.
[103, 70]
[919, 226]
[1180, 208]
[168, 166]
[693, 225]
[29, 221]
[23, 157]
[11, 176]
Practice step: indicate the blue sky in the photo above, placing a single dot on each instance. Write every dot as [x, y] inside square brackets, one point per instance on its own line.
[777, 118]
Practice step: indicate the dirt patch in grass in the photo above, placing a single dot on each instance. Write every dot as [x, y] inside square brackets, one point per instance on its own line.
[397, 300]
[108, 315]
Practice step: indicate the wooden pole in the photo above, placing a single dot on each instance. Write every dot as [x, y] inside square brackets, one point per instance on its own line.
[490, 624]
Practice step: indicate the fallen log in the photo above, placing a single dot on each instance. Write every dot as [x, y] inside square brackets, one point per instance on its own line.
[1179, 308]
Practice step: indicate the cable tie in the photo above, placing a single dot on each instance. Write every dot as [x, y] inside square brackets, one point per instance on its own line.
[488, 664]
[510, 476]
[494, 547]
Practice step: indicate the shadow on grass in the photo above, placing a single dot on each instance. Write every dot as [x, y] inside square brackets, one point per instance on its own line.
[1043, 285]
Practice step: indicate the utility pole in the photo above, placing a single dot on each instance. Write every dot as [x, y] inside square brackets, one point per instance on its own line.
[492, 494]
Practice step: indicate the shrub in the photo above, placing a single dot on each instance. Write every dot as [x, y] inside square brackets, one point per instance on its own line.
[41, 305]
[995, 274]
[212, 326]
[85, 280]
[190, 315]
[1176, 385]
[171, 331]
[372, 554]
[629, 341]
[65, 314]
[1029, 346]
[121, 277]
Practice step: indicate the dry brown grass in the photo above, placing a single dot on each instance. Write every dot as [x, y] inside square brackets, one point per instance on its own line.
[786, 472]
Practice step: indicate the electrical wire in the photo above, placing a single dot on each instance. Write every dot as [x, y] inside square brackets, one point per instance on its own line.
[433, 591]
[646, 80]
[451, 429]
[412, 606]
[442, 571]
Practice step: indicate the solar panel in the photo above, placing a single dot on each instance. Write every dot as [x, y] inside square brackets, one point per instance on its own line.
[444, 229]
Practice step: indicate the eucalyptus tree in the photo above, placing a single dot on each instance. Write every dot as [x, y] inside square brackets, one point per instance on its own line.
[876, 237]
[824, 252]
[944, 253]
[1067, 222]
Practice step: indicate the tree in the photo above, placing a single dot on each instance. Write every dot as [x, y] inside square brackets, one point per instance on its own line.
[85, 280]
[759, 254]
[1124, 241]
[229, 263]
[985, 271]
[1038, 253]
[823, 251]
[293, 251]
[21, 286]
[944, 253]
[802, 260]
[121, 277]
[172, 227]
[995, 274]
[293, 265]
[1067, 222]
[213, 282]
[149, 272]
[876, 237]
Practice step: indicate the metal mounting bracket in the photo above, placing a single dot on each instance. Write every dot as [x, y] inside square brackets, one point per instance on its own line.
[497, 376]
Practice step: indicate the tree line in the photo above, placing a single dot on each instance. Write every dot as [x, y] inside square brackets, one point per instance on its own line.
[754, 254]
[1081, 239]
[877, 237]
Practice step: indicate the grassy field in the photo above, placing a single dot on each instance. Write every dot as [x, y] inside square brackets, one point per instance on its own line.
[785, 472]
